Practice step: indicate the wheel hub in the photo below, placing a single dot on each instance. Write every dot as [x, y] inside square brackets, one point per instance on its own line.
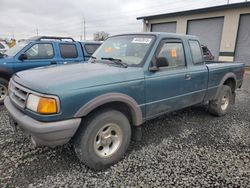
[108, 140]
[225, 102]
[3, 92]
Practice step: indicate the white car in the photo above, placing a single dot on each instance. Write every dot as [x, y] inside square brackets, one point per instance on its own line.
[3, 47]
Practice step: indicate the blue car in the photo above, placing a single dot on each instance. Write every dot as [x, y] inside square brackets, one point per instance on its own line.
[42, 51]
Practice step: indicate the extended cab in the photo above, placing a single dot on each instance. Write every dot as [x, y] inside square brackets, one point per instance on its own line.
[42, 51]
[130, 79]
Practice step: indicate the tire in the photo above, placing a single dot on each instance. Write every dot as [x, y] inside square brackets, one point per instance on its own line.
[222, 105]
[103, 140]
[3, 89]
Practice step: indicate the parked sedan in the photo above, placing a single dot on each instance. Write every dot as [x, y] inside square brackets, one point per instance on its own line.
[3, 47]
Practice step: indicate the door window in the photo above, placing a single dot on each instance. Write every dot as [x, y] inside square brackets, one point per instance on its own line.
[40, 51]
[68, 51]
[174, 53]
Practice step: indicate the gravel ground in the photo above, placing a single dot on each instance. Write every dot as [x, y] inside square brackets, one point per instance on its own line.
[182, 149]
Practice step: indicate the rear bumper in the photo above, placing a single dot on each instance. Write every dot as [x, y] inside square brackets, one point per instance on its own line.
[43, 133]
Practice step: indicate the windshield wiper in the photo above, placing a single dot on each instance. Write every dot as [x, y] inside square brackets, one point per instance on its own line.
[116, 61]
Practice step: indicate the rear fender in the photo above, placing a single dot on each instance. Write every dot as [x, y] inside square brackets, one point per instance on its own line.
[224, 79]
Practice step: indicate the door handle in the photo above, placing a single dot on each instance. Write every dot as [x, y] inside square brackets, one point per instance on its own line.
[53, 62]
[188, 77]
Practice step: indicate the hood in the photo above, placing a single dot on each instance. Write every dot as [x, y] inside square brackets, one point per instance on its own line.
[6, 59]
[51, 80]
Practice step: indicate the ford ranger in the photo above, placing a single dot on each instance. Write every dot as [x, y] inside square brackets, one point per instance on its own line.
[42, 51]
[131, 78]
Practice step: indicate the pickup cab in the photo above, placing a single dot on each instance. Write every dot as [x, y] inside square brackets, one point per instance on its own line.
[42, 51]
[131, 78]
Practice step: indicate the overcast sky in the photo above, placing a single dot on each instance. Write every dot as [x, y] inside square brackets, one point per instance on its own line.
[22, 18]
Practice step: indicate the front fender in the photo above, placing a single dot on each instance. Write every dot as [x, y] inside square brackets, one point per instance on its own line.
[112, 97]
[5, 72]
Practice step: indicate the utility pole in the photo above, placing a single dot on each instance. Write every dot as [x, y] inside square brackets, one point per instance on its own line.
[227, 1]
[36, 31]
[83, 29]
[84, 25]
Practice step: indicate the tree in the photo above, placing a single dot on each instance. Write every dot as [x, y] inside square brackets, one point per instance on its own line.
[101, 36]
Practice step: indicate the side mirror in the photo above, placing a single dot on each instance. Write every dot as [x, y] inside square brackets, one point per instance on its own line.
[160, 62]
[23, 57]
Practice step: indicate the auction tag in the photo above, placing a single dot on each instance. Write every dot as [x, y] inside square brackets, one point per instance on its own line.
[108, 49]
[142, 40]
[174, 53]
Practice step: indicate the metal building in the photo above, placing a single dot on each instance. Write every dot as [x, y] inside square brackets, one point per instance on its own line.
[224, 29]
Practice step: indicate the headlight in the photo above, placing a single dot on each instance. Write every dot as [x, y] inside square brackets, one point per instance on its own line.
[42, 105]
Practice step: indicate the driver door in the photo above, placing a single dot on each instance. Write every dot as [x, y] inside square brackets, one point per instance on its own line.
[167, 87]
[38, 55]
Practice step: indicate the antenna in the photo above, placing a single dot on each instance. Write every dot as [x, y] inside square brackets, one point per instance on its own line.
[83, 29]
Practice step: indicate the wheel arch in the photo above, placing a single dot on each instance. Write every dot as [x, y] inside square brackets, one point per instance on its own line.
[5, 75]
[230, 80]
[113, 100]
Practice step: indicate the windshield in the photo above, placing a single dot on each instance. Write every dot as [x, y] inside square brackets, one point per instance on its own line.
[13, 51]
[130, 49]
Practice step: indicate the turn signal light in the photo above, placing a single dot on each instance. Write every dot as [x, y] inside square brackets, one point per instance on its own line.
[47, 106]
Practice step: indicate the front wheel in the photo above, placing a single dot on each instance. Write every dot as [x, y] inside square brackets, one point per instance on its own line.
[3, 89]
[223, 103]
[103, 139]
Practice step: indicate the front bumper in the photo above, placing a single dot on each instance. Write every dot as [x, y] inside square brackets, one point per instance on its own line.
[43, 133]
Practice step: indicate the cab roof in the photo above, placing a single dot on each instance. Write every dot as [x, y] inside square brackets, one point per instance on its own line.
[162, 35]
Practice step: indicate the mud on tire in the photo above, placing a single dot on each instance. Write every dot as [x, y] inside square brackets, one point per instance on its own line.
[102, 139]
[222, 105]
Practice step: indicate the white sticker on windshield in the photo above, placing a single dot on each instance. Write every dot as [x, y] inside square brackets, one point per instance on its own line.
[142, 40]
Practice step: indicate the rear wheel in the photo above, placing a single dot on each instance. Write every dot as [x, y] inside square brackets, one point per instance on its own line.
[3, 89]
[222, 105]
[103, 139]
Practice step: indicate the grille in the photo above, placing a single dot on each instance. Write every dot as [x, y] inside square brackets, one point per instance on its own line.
[18, 94]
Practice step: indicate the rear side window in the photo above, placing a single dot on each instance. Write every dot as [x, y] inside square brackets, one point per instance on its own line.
[174, 53]
[91, 48]
[196, 51]
[68, 51]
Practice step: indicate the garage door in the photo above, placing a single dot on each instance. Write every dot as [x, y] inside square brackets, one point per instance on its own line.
[209, 31]
[164, 27]
[242, 53]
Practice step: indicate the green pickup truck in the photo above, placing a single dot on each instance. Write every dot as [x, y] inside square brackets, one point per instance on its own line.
[130, 79]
